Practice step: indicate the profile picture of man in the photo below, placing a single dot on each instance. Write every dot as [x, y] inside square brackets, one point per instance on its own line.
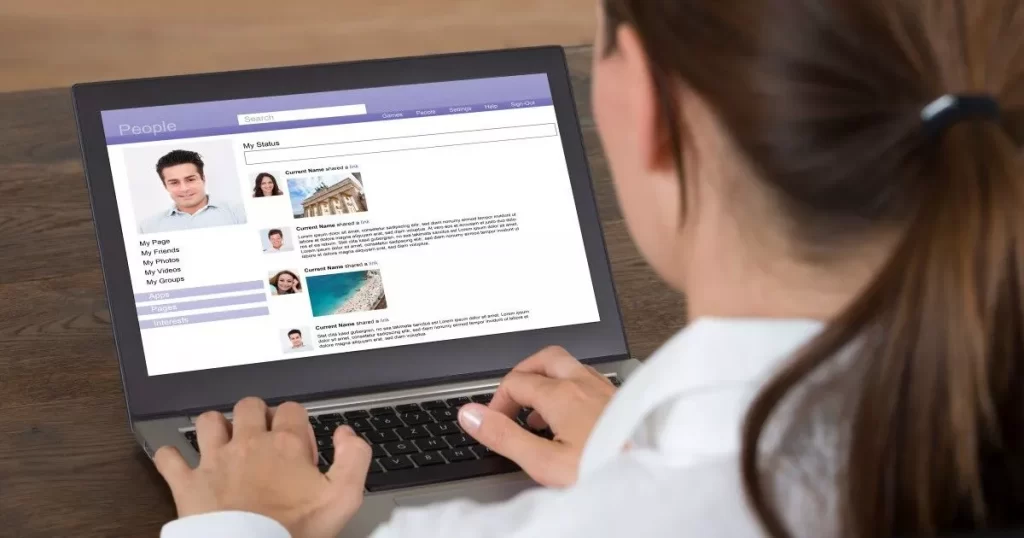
[276, 240]
[295, 337]
[181, 172]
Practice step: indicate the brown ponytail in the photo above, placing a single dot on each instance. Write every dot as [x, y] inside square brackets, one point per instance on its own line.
[824, 98]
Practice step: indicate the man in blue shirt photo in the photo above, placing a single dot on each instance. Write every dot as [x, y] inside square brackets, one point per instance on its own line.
[181, 172]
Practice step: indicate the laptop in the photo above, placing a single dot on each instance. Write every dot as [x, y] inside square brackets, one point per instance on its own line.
[379, 240]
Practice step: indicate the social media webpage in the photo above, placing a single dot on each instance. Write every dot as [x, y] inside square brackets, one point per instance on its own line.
[403, 215]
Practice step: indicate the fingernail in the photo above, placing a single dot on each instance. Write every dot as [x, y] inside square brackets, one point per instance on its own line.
[470, 417]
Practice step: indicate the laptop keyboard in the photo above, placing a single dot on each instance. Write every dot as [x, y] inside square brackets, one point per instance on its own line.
[414, 444]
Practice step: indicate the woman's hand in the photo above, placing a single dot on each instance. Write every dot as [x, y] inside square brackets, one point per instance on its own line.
[263, 462]
[564, 394]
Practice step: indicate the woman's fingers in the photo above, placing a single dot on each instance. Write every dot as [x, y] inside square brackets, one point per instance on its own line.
[521, 389]
[547, 462]
[250, 417]
[292, 417]
[551, 361]
[535, 421]
[172, 467]
[212, 431]
[352, 457]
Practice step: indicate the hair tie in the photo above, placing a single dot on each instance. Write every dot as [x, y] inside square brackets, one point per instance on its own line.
[950, 109]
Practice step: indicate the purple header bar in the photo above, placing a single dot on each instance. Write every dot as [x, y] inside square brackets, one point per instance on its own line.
[197, 291]
[213, 118]
[232, 300]
[192, 319]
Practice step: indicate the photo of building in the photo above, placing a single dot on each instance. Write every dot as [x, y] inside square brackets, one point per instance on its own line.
[320, 196]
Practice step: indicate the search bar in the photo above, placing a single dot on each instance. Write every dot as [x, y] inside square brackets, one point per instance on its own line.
[400, 143]
[301, 114]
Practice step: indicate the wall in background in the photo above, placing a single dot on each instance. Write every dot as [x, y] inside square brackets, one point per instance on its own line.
[51, 43]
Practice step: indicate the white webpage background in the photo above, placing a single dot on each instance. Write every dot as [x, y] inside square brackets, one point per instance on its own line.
[541, 268]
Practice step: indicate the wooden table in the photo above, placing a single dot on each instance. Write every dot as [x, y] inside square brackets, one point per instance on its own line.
[68, 465]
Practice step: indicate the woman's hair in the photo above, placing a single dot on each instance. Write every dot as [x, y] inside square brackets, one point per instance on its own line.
[298, 283]
[257, 191]
[824, 98]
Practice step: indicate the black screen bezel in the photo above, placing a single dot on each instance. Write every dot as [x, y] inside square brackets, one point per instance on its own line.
[335, 375]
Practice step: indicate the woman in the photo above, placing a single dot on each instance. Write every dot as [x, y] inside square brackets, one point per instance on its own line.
[851, 246]
[266, 185]
[285, 283]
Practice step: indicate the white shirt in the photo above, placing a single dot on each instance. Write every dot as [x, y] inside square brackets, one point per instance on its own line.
[212, 214]
[682, 410]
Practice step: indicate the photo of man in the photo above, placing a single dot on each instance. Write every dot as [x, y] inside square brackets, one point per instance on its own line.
[182, 174]
[276, 240]
[295, 342]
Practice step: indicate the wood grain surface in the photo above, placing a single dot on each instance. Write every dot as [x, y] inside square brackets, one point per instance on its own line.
[56, 43]
[68, 465]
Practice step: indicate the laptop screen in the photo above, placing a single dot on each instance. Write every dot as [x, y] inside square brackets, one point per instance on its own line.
[292, 226]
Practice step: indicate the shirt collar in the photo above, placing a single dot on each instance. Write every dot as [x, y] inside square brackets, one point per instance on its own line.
[209, 204]
[710, 352]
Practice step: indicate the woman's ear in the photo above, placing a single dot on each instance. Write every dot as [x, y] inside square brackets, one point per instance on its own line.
[645, 109]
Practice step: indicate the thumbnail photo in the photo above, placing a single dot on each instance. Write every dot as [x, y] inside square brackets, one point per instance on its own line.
[295, 339]
[186, 186]
[277, 240]
[285, 282]
[335, 194]
[264, 184]
[341, 293]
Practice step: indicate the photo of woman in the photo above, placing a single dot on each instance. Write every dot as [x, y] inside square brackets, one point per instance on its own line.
[285, 283]
[265, 185]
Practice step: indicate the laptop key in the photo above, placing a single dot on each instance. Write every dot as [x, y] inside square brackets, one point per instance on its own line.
[419, 417]
[381, 436]
[377, 411]
[412, 432]
[439, 473]
[458, 440]
[333, 417]
[379, 452]
[430, 444]
[190, 436]
[324, 443]
[322, 430]
[375, 467]
[328, 456]
[386, 422]
[401, 447]
[427, 459]
[482, 452]
[408, 408]
[442, 428]
[323, 465]
[445, 415]
[396, 463]
[457, 402]
[434, 404]
[360, 425]
[332, 424]
[358, 413]
[458, 454]
[482, 398]
[313, 420]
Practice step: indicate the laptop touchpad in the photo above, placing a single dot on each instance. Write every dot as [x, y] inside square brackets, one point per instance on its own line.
[484, 493]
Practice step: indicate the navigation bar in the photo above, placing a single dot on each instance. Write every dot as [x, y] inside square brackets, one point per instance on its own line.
[192, 120]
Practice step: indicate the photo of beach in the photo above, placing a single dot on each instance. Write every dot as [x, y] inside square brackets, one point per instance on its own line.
[342, 293]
